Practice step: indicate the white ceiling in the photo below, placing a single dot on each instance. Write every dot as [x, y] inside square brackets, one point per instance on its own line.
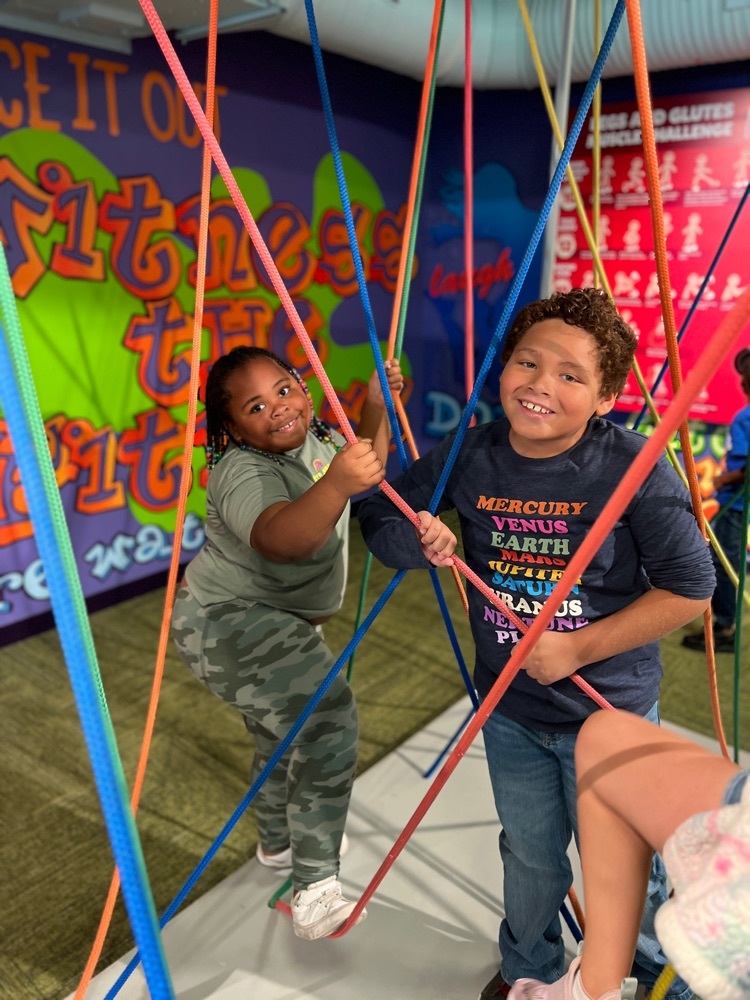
[113, 24]
[394, 34]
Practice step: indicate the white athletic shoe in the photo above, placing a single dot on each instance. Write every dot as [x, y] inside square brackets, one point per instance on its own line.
[283, 860]
[320, 909]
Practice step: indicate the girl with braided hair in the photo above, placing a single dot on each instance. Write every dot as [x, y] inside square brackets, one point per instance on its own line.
[248, 617]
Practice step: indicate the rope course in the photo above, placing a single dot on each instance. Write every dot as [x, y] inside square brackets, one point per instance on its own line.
[31, 448]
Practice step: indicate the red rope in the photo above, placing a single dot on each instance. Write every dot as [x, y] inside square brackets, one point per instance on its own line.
[713, 355]
[641, 466]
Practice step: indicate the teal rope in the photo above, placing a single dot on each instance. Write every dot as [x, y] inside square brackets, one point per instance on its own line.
[26, 427]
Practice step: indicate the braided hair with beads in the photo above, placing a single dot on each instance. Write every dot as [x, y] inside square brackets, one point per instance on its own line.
[217, 399]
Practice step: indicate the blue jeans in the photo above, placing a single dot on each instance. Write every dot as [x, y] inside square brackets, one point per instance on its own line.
[729, 531]
[534, 782]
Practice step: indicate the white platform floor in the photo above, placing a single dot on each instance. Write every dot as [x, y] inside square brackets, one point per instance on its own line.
[431, 930]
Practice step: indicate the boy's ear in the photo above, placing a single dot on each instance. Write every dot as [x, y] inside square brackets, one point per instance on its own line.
[605, 404]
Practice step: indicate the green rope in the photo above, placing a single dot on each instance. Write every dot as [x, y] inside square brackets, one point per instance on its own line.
[281, 891]
[360, 611]
[730, 503]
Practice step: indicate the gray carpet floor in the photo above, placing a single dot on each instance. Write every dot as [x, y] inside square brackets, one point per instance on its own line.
[55, 861]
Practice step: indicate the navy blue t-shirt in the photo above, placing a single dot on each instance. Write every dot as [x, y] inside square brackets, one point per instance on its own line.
[521, 521]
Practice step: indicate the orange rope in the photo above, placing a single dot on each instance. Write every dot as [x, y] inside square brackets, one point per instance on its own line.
[468, 243]
[468, 209]
[410, 209]
[577, 909]
[643, 94]
[414, 181]
[185, 484]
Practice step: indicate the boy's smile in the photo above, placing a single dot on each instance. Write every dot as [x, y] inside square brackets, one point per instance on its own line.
[268, 408]
[551, 387]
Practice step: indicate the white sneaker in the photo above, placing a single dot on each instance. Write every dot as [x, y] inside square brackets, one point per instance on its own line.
[320, 909]
[283, 860]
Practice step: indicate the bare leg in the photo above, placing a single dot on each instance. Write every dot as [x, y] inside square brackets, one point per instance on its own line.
[636, 784]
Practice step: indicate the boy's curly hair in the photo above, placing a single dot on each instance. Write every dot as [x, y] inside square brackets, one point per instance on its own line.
[592, 310]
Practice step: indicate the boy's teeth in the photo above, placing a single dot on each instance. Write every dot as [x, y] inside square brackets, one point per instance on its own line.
[535, 409]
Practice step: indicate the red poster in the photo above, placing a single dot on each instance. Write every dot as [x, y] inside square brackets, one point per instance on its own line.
[703, 149]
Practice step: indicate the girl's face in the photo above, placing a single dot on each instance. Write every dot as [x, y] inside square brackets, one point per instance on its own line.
[268, 408]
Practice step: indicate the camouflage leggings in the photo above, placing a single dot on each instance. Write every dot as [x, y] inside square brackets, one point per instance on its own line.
[268, 664]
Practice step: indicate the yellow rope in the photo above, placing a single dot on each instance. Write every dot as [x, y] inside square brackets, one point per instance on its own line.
[663, 983]
[593, 246]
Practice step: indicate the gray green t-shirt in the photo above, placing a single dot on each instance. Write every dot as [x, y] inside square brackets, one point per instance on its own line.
[240, 487]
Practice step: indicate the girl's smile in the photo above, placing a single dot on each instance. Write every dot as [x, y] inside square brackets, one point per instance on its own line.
[268, 408]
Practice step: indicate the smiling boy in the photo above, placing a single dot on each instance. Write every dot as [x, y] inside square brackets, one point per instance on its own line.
[527, 488]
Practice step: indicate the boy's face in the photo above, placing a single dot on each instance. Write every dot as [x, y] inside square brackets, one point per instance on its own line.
[551, 387]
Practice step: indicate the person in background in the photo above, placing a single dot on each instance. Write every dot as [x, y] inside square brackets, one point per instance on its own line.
[640, 790]
[248, 618]
[728, 525]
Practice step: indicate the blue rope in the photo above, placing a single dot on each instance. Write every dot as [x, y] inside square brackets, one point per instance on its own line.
[572, 925]
[450, 742]
[520, 276]
[257, 784]
[694, 305]
[69, 609]
[354, 246]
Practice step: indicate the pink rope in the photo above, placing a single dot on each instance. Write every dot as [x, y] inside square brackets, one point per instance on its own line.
[706, 366]
[236, 195]
[581, 558]
[223, 167]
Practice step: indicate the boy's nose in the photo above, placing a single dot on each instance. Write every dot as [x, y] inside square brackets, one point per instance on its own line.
[539, 381]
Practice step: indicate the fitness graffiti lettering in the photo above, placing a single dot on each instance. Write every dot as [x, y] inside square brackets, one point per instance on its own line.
[144, 257]
[149, 544]
[105, 469]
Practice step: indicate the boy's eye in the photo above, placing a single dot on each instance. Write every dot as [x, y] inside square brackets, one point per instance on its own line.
[570, 378]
